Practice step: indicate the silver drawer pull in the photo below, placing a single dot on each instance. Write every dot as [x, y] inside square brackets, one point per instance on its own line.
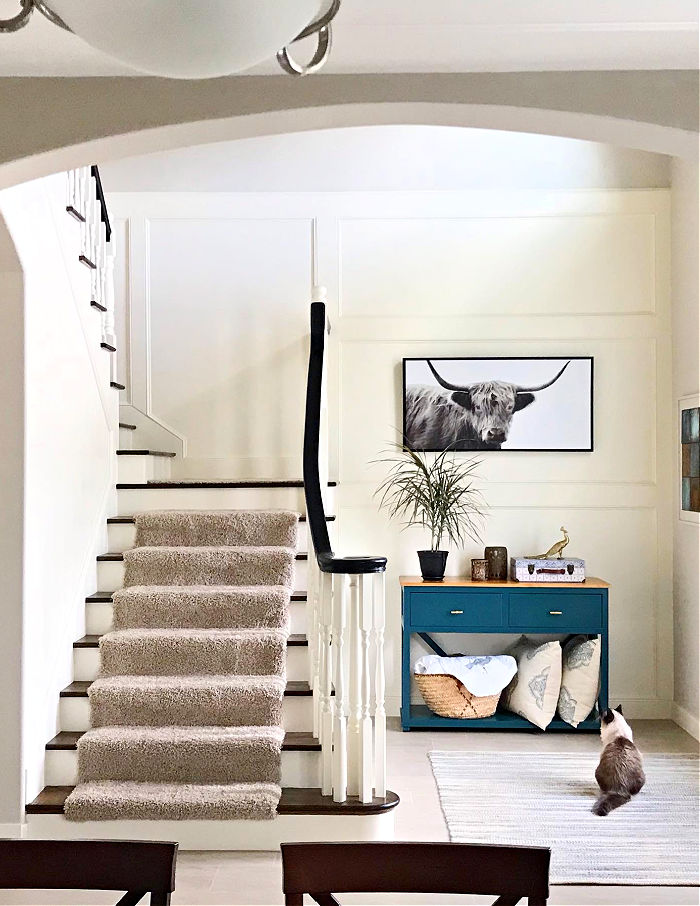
[555, 613]
[456, 611]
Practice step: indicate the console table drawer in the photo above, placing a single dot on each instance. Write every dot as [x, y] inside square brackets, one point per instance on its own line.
[456, 609]
[553, 610]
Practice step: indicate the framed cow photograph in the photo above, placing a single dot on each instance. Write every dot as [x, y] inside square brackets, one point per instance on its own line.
[522, 403]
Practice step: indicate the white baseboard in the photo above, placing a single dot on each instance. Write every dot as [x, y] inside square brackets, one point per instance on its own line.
[685, 720]
[10, 831]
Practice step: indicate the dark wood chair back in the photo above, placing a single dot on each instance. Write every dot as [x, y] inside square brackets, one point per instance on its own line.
[136, 867]
[322, 869]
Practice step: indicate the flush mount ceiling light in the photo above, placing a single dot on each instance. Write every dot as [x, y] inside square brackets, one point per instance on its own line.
[192, 39]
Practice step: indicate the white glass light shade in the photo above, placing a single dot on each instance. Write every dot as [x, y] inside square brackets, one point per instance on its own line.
[188, 39]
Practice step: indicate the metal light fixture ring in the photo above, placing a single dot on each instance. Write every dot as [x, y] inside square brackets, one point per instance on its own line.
[322, 28]
[20, 20]
[24, 15]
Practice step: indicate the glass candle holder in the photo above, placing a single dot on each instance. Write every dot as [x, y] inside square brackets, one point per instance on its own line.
[497, 563]
[479, 570]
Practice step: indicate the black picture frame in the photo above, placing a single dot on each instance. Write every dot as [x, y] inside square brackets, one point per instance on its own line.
[481, 449]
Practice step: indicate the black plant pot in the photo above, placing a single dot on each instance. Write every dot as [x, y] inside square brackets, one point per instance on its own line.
[432, 565]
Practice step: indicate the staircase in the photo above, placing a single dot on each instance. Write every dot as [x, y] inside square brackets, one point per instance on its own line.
[202, 682]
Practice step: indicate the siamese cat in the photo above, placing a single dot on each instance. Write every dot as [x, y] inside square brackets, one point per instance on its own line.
[620, 773]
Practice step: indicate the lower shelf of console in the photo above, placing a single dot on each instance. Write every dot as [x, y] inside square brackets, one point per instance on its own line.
[421, 717]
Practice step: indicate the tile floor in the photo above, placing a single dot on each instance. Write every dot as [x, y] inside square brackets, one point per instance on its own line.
[255, 878]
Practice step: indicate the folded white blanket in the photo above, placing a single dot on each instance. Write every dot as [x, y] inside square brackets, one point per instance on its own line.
[486, 675]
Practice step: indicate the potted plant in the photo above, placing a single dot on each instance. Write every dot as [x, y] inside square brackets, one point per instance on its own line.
[438, 495]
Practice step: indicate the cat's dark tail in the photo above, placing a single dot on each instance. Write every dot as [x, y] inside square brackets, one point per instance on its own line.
[605, 803]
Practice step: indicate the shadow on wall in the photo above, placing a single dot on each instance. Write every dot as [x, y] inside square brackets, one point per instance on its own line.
[12, 523]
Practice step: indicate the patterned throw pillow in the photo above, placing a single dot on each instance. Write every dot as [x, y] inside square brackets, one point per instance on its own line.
[534, 690]
[580, 678]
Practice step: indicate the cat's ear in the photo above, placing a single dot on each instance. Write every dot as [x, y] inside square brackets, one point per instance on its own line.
[619, 709]
[607, 716]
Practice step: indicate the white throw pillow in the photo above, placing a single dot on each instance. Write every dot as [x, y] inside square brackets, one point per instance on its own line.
[580, 678]
[533, 692]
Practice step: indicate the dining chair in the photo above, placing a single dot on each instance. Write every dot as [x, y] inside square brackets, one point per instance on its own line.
[324, 869]
[137, 867]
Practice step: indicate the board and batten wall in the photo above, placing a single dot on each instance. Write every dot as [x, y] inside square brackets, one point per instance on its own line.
[214, 297]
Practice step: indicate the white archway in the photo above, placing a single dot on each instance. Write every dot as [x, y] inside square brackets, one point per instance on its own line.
[590, 127]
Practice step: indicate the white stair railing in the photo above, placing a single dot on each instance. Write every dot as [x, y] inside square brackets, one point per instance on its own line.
[346, 625]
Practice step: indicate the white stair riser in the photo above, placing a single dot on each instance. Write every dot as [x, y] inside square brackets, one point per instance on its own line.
[122, 537]
[299, 769]
[74, 713]
[126, 439]
[110, 574]
[86, 663]
[139, 469]
[140, 500]
[261, 836]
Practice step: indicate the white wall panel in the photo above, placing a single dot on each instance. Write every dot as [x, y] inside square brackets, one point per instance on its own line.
[542, 265]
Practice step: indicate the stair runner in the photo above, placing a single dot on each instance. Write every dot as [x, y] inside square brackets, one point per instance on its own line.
[186, 714]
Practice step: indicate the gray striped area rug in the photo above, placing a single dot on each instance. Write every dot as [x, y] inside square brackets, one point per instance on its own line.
[545, 799]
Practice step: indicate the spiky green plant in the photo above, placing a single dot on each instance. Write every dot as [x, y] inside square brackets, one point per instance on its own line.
[438, 495]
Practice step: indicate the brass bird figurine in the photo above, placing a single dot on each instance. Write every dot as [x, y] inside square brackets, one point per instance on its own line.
[555, 550]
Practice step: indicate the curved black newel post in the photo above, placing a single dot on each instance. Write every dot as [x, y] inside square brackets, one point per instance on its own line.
[315, 512]
[345, 622]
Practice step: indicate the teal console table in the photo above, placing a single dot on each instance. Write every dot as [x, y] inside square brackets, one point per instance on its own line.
[532, 608]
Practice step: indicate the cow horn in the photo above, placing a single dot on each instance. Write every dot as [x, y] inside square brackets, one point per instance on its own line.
[541, 386]
[444, 383]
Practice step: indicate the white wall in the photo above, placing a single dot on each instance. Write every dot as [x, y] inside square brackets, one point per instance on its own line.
[686, 383]
[70, 439]
[11, 527]
[369, 158]
[412, 273]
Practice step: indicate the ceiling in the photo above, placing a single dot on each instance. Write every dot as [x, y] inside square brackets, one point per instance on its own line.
[376, 36]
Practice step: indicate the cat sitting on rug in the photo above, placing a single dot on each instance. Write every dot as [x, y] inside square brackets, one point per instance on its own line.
[620, 773]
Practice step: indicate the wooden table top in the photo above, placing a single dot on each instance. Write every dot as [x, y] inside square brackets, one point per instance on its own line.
[466, 582]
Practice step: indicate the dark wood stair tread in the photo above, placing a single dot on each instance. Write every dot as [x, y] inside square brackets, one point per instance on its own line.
[118, 556]
[295, 640]
[79, 689]
[127, 426]
[96, 305]
[75, 213]
[108, 347]
[67, 741]
[87, 262]
[145, 453]
[294, 801]
[105, 597]
[117, 386]
[133, 486]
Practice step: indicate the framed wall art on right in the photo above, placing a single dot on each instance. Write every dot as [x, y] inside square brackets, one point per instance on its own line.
[689, 458]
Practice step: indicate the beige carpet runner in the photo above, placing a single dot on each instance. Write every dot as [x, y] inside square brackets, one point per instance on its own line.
[186, 713]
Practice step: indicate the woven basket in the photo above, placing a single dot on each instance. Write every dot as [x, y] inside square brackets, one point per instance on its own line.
[447, 697]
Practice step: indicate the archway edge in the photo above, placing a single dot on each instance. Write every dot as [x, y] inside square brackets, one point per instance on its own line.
[644, 136]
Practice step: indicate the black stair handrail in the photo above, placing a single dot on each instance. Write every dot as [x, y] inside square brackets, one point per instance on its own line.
[99, 191]
[315, 511]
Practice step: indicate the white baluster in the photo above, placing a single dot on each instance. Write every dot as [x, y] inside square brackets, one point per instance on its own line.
[354, 688]
[340, 741]
[378, 589]
[70, 189]
[108, 329]
[330, 589]
[80, 197]
[313, 600]
[365, 767]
